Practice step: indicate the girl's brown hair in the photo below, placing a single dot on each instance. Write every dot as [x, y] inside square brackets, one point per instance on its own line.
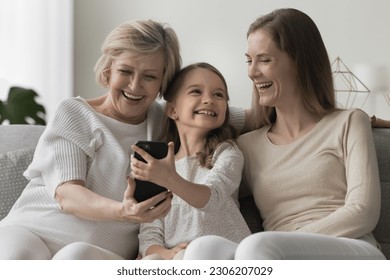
[215, 137]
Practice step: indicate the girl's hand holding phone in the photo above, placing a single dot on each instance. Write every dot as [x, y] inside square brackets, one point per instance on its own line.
[153, 170]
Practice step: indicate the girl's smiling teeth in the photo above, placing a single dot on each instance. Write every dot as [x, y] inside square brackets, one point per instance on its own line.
[131, 96]
[206, 112]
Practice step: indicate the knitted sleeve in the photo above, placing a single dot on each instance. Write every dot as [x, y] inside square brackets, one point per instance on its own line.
[64, 148]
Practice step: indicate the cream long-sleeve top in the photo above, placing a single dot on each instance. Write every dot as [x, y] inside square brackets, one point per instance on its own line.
[220, 216]
[326, 182]
[81, 144]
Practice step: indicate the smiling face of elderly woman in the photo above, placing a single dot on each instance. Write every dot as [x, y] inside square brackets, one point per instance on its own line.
[138, 60]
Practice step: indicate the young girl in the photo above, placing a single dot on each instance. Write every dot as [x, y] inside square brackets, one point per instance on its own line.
[203, 166]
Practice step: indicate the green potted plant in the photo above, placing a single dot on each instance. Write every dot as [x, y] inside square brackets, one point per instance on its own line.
[21, 107]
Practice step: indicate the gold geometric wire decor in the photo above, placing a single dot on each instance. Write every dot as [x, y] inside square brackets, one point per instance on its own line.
[350, 89]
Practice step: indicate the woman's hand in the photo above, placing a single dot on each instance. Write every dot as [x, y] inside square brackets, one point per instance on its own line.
[154, 170]
[74, 198]
[173, 251]
[145, 211]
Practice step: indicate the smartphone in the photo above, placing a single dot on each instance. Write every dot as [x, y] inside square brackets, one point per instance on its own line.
[146, 189]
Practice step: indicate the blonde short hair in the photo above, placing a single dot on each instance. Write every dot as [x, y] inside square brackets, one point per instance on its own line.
[140, 37]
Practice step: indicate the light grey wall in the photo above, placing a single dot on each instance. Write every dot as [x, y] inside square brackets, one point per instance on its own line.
[215, 31]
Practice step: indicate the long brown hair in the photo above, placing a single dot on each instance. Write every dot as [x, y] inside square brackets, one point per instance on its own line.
[216, 136]
[296, 34]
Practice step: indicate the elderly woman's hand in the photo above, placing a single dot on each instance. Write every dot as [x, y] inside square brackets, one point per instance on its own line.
[145, 211]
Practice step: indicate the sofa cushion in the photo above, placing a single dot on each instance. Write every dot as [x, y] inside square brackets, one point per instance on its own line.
[381, 232]
[251, 214]
[382, 143]
[12, 182]
[382, 229]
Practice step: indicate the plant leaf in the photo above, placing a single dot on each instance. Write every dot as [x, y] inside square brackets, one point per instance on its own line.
[21, 105]
[2, 111]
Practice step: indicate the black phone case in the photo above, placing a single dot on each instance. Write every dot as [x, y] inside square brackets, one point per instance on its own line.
[146, 189]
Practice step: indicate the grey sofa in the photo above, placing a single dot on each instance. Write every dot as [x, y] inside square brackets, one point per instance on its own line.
[17, 144]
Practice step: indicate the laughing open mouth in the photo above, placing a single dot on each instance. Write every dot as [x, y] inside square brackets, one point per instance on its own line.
[264, 86]
[132, 97]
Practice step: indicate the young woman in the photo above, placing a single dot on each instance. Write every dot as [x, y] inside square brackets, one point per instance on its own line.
[202, 169]
[312, 169]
